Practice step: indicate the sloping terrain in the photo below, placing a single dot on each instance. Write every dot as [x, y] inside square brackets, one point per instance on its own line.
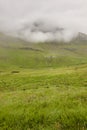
[43, 86]
[17, 53]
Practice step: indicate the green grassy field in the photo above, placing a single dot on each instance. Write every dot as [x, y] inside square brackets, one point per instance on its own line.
[43, 86]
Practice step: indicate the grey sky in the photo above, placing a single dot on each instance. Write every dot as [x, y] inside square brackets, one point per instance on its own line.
[70, 14]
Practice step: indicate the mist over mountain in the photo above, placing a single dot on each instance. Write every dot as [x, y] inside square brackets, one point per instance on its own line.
[41, 31]
[80, 37]
[43, 20]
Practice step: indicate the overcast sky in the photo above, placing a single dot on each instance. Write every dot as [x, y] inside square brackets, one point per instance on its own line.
[70, 14]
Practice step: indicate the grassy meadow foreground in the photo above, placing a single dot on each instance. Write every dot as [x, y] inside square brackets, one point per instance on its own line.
[43, 86]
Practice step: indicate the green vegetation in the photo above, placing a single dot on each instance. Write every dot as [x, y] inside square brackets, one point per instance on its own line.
[43, 86]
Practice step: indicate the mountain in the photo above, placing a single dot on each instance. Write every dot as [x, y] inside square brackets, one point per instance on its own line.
[80, 37]
[7, 40]
[13, 42]
[17, 53]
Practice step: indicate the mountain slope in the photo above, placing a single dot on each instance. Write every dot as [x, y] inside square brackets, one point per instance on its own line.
[80, 38]
[17, 53]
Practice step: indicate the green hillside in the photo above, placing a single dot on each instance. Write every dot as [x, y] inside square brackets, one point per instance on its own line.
[16, 53]
[43, 86]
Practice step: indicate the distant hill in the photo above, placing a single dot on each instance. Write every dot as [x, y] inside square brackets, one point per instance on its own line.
[6, 40]
[17, 53]
[12, 42]
[80, 37]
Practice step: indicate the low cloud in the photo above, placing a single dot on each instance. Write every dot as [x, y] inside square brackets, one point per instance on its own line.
[43, 20]
[44, 31]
